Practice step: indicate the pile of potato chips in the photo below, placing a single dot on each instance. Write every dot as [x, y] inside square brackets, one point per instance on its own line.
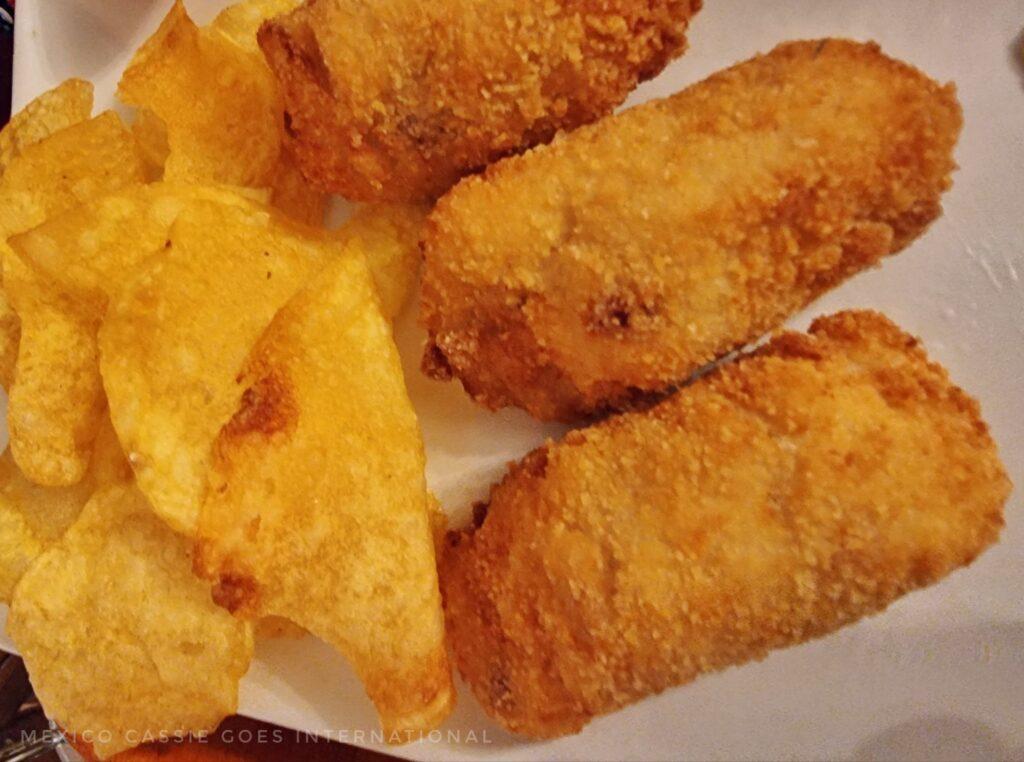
[209, 427]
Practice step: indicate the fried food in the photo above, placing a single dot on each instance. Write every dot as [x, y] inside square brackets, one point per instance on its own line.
[52, 427]
[389, 236]
[224, 129]
[218, 101]
[68, 103]
[122, 642]
[775, 500]
[178, 332]
[618, 260]
[32, 518]
[395, 101]
[317, 505]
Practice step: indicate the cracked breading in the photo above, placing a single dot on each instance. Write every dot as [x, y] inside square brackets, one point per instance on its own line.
[777, 499]
[624, 256]
[395, 101]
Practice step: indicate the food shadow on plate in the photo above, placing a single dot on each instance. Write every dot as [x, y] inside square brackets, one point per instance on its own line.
[936, 737]
[318, 679]
[468, 447]
[1016, 53]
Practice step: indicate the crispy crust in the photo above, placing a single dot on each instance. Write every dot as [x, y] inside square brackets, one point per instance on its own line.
[776, 500]
[395, 101]
[624, 256]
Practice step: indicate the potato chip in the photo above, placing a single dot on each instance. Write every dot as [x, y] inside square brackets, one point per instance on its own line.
[290, 191]
[390, 237]
[241, 21]
[60, 276]
[52, 425]
[150, 135]
[176, 336]
[48, 174]
[121, 641]
[33, 517]
[218, 101]
[68, 103]
[76, 164]
[317, 504]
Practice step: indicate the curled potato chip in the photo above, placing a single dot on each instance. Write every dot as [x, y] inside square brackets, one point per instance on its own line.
[389, 235]
[176, 336]
[317, 505]
[52, 159]
[68, 103]
[52, 425]
[60, 277]
[76, 164]
[218, 101]
[33, 517]
[121, 640]
[289, 190]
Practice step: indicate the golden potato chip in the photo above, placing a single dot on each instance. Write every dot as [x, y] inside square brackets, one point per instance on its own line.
[150, 135]
[176, 336]
[241, 21]
[76, 164]
[60, 276]
[390, 237]
[290, 191]
[52, 425]
[33, 517]
[218, 101]
[121, 641]
[317, 505]
[68, 103]
[49, 174]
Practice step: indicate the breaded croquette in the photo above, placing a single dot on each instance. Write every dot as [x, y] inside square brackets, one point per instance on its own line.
[395, 101]
[775, 500]
[624, 256]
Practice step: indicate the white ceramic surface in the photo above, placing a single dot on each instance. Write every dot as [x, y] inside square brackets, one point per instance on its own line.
[941, 674]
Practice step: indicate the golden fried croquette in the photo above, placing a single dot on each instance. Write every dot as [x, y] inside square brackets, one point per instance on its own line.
[775, 500]
[624, 256]
[395, 101]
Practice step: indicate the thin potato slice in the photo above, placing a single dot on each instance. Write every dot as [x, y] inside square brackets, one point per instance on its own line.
[121, 640]
[72, 166]
[289, 190]
[218, 101]
[52, 428]
[56, 401]
[32, 517]
[60, 276]
[68, 103]
[177, 334]
[48, 173]
[317, 507]
[390, 237]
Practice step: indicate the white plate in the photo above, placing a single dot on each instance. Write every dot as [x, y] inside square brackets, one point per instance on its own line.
[941, 674]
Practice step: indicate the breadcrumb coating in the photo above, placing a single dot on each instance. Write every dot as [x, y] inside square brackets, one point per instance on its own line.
[395, 100]
[624, 256]
[775, 500]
